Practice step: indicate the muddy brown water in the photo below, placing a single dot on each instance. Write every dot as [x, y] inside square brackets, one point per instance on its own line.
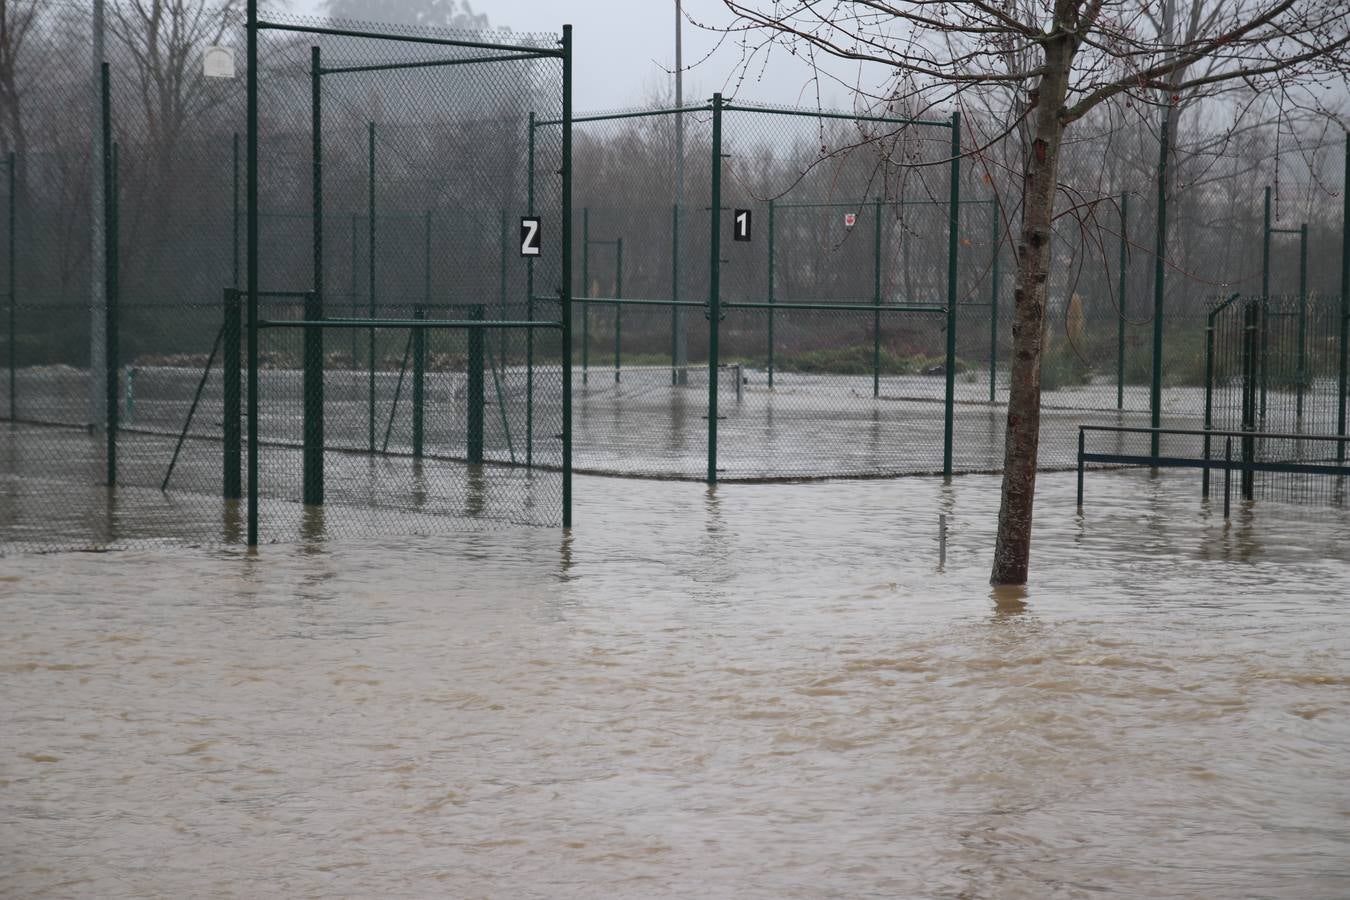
[756, 691]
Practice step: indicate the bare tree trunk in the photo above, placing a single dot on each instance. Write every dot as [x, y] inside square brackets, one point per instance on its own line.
[1012, 549]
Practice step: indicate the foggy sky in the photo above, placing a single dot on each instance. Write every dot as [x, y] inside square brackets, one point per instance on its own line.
[625, 48]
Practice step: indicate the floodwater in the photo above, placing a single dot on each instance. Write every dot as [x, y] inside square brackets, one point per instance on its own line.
[756, 691]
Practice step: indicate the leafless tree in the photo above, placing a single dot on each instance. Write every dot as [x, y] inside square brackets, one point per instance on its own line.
[1043, 67]
[18, 60]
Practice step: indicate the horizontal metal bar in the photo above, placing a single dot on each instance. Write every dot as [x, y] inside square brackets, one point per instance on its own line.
[1286, 231]
[814, 114]
[634, 114]
[1183, 462]
[403, 38]
[863, 203]
[431, 64]
[402, 323]
[631, 301]
[1200, 432]
[838, 307]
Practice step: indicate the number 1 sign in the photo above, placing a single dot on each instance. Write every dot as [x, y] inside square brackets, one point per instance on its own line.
[740, 230]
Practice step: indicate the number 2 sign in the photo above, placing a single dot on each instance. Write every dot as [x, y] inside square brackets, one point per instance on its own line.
[529, 236]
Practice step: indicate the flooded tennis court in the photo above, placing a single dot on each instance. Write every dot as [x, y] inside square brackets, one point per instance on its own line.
[751, 691]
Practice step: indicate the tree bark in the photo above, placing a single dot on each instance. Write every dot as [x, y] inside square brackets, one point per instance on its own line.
[1012, 548]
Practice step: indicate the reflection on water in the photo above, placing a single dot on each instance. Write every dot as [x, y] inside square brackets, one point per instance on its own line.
[766, 691]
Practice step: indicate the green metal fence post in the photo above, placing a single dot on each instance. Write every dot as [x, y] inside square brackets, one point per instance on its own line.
[420, 342]
[232, 395]
[11, 292]
[370, 301]
[1301, 372]
[234, 214]
[110, 278]
[313, 475]
[419, 380]
[351, 271]
[876, 299]
[529, 309]
[1250, 320]
[313, 402]
[1122, 299]
[501, 286]
[953, 244]
[251, 266]
[996, 214]
[1343, 381]
[585, 293]
[618, 308]
[771, 289]
[566, 288]
[714, 284]
[1159, 285]
[1267, 231]
[475, 393]
[675, 293]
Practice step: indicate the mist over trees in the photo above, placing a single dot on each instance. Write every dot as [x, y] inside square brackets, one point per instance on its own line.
[453, 14]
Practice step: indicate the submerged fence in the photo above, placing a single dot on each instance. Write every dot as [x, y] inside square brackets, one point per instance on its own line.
[307, 356]
[864, 305]
[344, 304]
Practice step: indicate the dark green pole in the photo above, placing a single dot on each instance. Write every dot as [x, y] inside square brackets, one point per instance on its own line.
[313, 402]
[110, 277]
[234, 216]
[714, 284]
[501, 287]
[771, 289]
[566, 289]
[1250, 319]
[997, 238]
[230, 388]
[529, 310]
[351, 268]
[618, 308]
[1265, 248]
[1209, 392]
[419, 380]
[585, 292]
[1301, 376]
[1159, 284]
[313, 337]
[12, 288]
[876, 299]
[953, 248]
[420, 343]
[251, 249]
[474, 401]
[675, 294]
[1267, 232]
[370, 301]
[1121, 300]
[1343, 382]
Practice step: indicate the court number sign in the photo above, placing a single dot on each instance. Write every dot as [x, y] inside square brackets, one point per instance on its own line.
[529, 236]
[741, 225]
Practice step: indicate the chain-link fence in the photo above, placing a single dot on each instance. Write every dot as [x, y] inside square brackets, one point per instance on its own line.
[762, 293]
[394, 363]
[831, 347]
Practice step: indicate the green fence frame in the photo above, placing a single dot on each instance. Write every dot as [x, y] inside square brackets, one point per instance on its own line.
[315, 322]
[715, 309]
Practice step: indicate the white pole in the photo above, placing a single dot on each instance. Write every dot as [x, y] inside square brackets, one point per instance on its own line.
[98, 299]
